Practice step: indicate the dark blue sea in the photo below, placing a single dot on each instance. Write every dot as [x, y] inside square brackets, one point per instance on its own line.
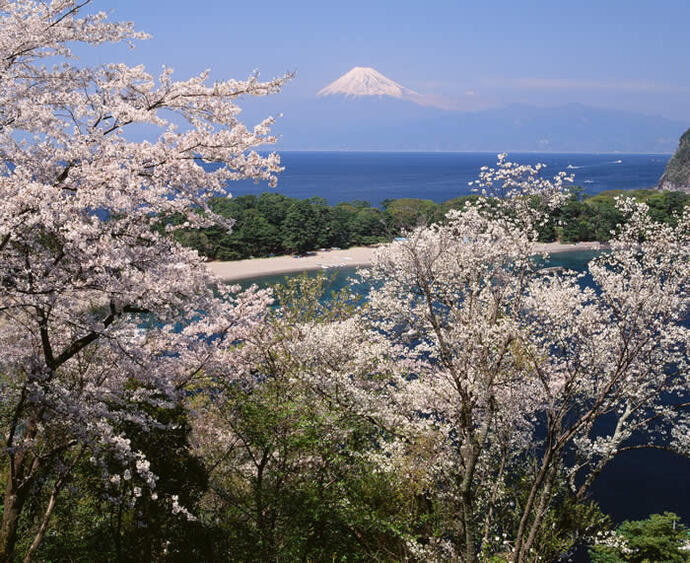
[375, 176]
[637, 483]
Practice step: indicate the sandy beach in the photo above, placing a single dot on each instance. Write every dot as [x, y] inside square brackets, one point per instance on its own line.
[324, 260]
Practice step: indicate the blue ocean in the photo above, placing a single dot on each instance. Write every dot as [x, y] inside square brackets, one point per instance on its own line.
[375, 176]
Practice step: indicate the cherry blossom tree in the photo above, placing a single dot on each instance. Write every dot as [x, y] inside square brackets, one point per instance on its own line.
[501, 363]
[101, 316]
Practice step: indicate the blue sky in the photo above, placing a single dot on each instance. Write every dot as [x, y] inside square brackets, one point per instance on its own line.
[629, 55]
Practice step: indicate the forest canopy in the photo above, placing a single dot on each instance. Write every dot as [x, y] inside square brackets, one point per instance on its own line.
[272, 224]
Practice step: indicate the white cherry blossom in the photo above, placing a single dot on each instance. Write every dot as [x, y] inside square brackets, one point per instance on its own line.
[92, 299]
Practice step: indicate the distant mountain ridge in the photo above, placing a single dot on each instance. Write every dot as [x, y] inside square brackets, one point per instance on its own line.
[676, 177]
[567, 128]
[397, 124]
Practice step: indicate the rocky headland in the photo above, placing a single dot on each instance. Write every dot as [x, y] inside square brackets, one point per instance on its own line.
[676, 177]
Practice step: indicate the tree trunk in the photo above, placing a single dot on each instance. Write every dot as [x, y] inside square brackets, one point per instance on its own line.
[492, 500]
[518, 549]
[468, 527]
[57, 487]
[467, 504]
[19, 482]
[38, 538]
[15, 497]
[22, 472]
[539, 512]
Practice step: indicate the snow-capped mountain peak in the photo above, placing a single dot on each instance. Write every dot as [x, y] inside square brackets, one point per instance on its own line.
[366, 81]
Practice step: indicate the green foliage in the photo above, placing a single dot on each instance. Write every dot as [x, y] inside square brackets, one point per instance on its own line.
[276, 224]
[296, 481]
[301, 227]
[368, 226]
[661, 537]
[256, 235]
[299, 496]
[304, 299]
[596, 218]
[93, 522]
[566, 520]
[297, 485]
[273, 207]
[408, 213]
[458, 202]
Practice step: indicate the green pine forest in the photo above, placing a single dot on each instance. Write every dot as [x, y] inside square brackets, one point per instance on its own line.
[274, 224]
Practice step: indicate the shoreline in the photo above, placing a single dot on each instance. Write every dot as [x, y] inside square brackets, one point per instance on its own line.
[358, 256]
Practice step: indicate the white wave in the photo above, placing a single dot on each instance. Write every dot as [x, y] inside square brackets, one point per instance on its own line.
[571, 167]
[588, 182]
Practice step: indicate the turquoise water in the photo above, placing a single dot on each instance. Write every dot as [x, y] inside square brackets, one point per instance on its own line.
[575, 260]
[340, 278]
[636, 483]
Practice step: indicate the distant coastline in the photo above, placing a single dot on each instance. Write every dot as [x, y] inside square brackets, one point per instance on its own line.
[492, 153]
[360, 256]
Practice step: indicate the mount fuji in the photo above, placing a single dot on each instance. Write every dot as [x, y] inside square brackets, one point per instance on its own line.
[367, 81]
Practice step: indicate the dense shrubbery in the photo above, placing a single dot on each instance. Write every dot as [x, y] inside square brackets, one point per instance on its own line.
[594, 218]
[273, 223]
[661, 537]
[279, 469]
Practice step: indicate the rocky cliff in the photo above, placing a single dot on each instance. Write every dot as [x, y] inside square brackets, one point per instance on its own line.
[677, 174]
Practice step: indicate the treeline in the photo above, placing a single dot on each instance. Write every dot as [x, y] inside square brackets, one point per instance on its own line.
[593, 218]
[274, 224]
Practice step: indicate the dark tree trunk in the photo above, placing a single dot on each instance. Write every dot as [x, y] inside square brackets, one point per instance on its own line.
[15, 497]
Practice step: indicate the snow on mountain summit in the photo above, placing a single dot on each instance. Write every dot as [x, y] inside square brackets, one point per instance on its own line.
[366, 81]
